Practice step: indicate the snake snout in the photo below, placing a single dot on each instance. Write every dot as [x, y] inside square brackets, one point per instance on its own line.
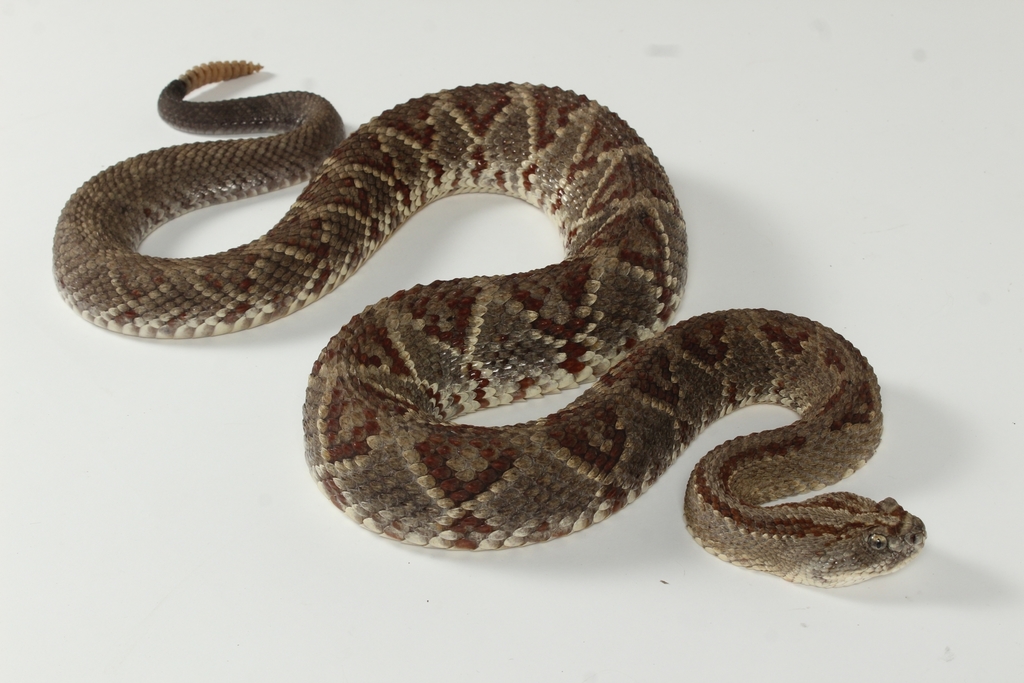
[915, 536]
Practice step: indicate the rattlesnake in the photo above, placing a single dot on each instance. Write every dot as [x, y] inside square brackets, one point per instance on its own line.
[381, 395]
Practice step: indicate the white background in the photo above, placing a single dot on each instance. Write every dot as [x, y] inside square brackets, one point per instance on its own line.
[858, 163]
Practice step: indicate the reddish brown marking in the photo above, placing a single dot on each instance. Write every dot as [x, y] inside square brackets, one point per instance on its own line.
[527, 172]
[860, 406]
[782, 525]
[710, 348]
[480, 122]
[546, 134]
[472, 524]
[576, 430]
[321, 280]
[616, 495]
[335, 494]
[833, 360]
[213, 281]
[772, 449]
[572, 362]
[479, 163]
[531, 301]
[791, 344]
[649, 371]
[524, 384]
[572, 287]
[125, 317]
[612, 190]
[436, 171]
[374, 341]
[419, 131]
[362, 414]
[438, 449]
[731, 393]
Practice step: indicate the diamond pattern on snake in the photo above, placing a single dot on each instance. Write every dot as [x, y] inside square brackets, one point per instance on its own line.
[379, 438]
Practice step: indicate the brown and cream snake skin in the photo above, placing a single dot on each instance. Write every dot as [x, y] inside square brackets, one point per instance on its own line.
[377, 416]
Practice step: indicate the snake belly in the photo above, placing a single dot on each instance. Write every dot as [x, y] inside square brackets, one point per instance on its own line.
[379, 437]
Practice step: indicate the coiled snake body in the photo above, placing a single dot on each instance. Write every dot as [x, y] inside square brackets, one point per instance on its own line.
[380, 396]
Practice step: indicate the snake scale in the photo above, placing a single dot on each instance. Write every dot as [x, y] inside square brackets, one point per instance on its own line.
[379, 440]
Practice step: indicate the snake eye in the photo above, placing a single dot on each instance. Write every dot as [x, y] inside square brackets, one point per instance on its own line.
[878, 542]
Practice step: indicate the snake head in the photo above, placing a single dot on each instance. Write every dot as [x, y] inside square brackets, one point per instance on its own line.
[870, 539]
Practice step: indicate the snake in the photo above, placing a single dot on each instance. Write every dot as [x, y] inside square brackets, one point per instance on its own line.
[380, 440]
